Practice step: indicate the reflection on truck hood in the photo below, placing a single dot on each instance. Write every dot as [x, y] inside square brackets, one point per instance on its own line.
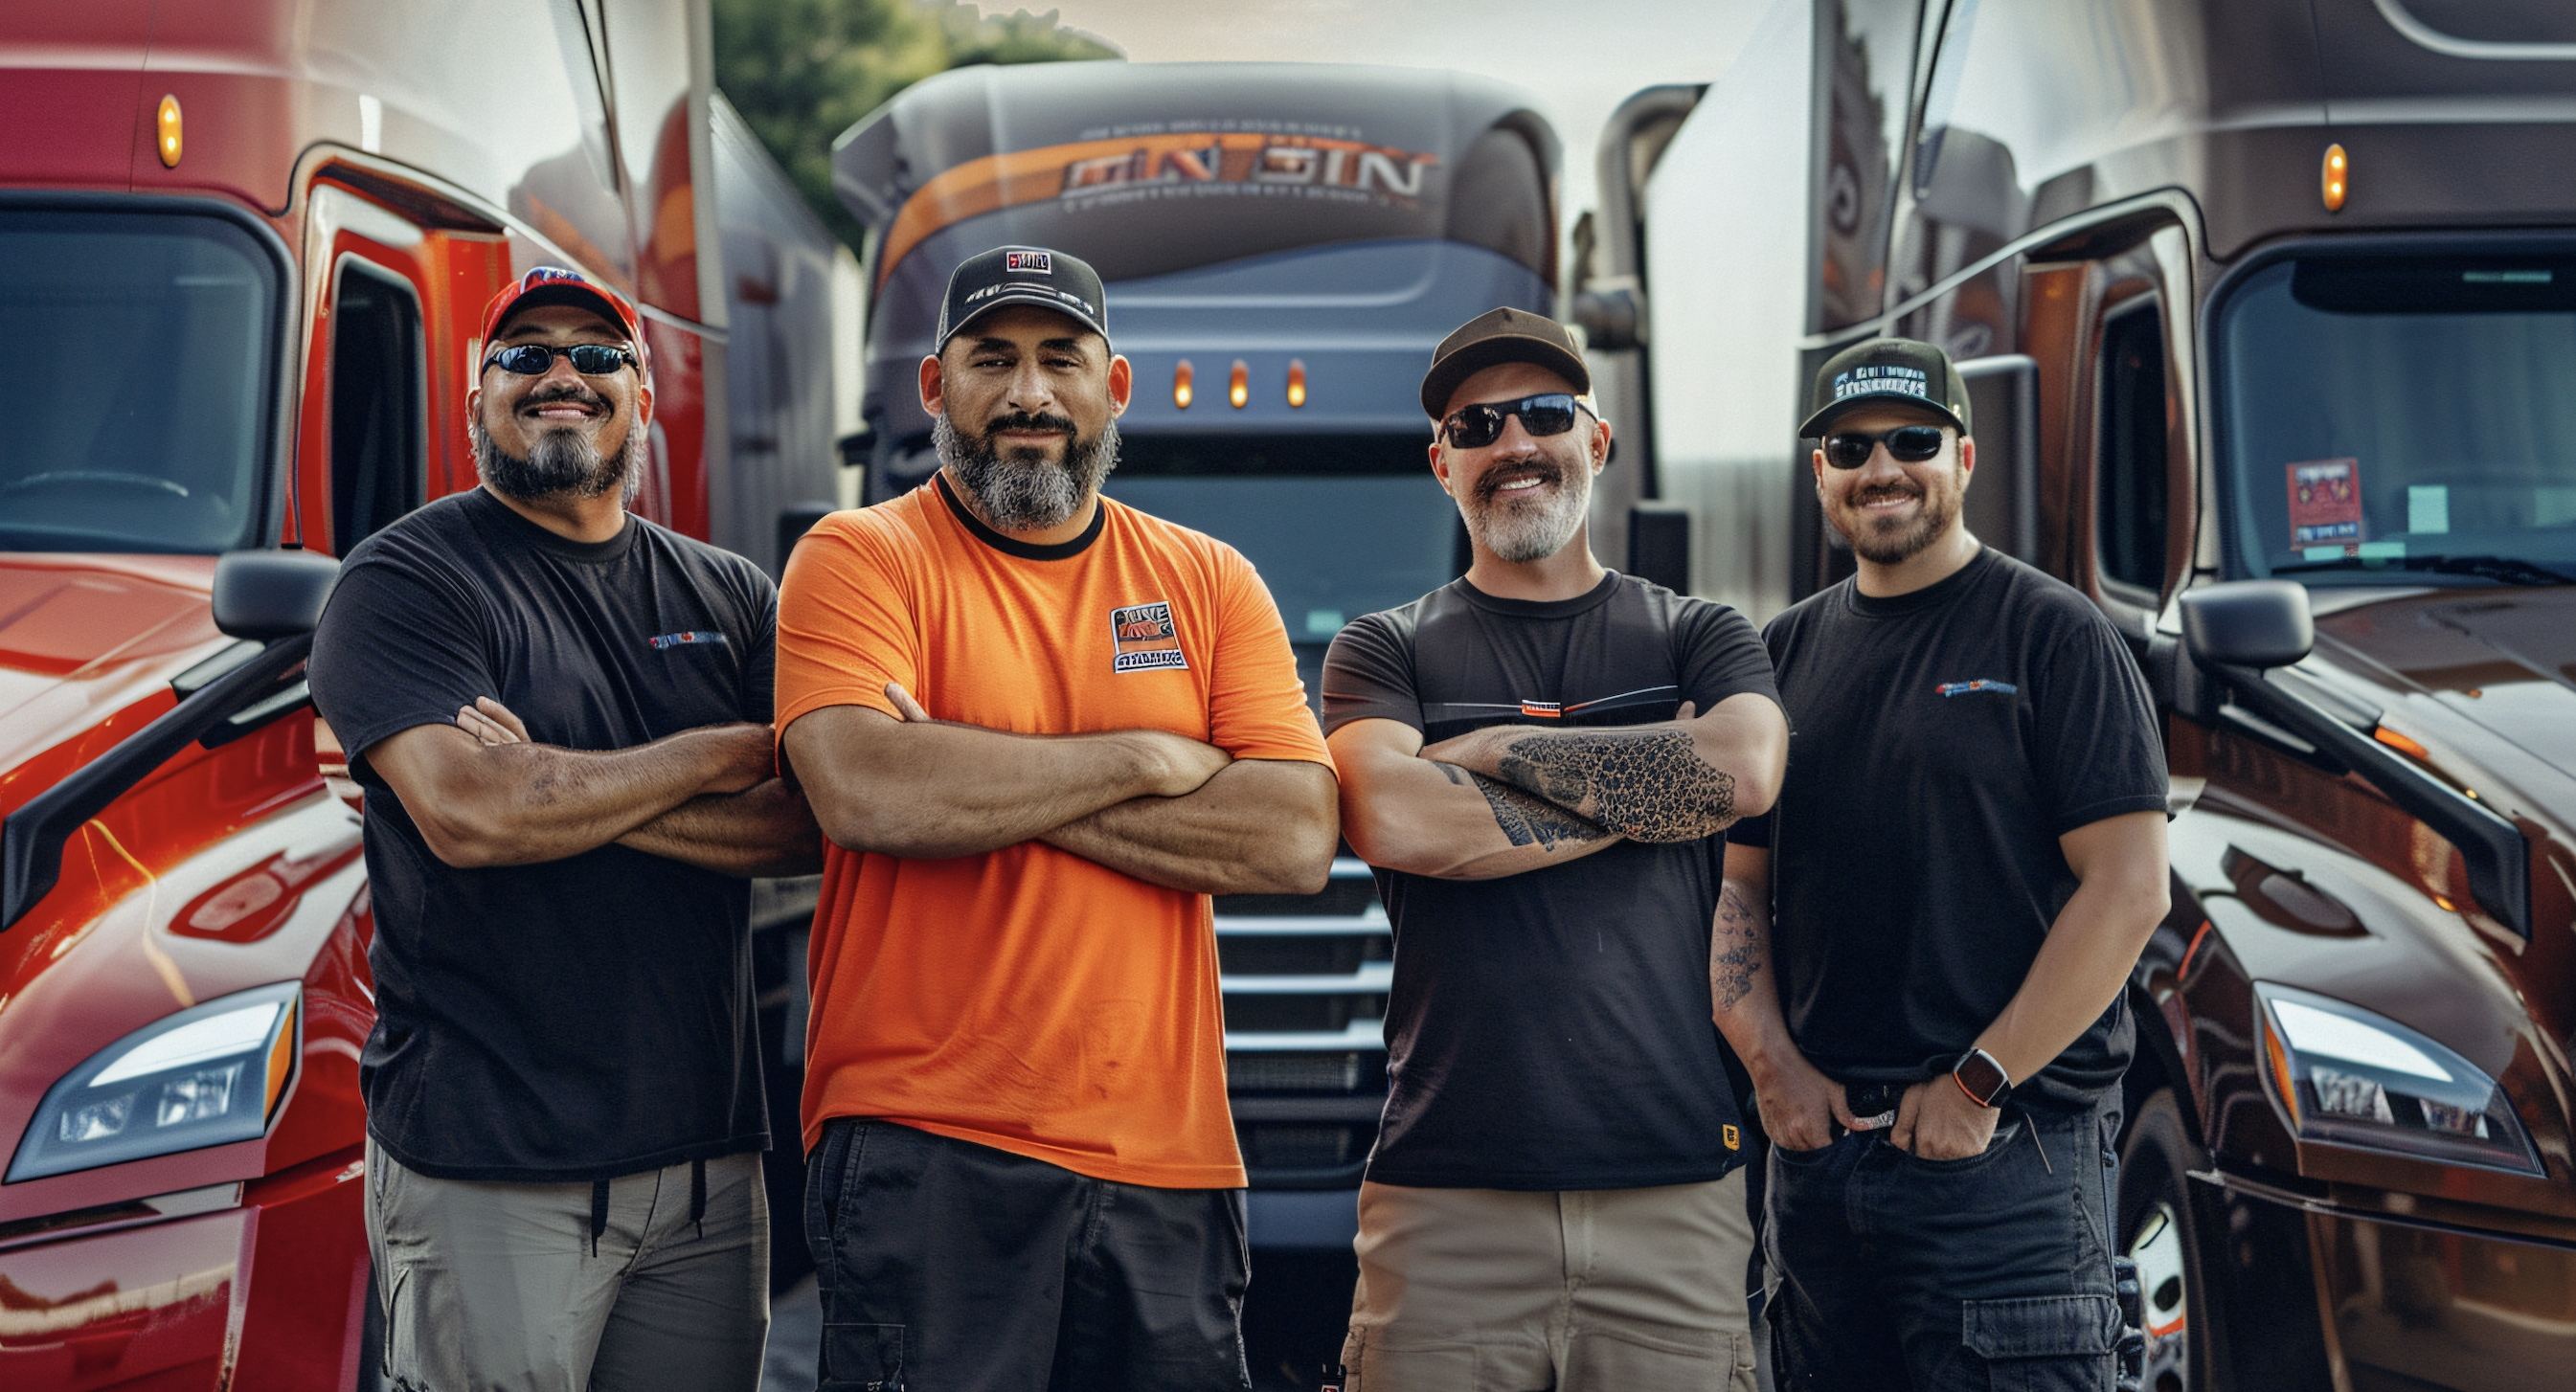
[83, 637]
[2503, 658]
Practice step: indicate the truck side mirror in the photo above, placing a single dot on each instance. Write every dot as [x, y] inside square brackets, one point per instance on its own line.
[267, 595]
[2257, 624]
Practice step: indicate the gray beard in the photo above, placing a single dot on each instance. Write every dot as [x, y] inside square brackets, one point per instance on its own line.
[1025, 495]
[1531, 529]
[561, 464]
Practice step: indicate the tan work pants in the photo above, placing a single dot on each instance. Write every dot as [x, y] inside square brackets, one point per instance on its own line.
[1609, 1290]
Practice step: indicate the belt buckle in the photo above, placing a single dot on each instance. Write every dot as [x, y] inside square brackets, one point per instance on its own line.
[1873, 1104]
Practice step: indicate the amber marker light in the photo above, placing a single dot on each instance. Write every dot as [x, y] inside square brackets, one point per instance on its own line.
[2338, 178]
[1239, 389]
[2401, 744]
[1181, 378]
[167, 127]
[1296, 382]
[281, 1057]
[2280, 1066]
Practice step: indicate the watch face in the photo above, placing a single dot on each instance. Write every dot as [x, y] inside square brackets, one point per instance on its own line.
[1982, 1077]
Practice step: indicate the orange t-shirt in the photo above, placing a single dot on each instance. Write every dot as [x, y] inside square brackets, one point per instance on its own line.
[1027, 998]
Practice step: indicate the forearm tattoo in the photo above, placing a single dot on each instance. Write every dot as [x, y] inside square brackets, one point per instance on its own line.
[1527, 820]
[1648, 785]
[1738, 953]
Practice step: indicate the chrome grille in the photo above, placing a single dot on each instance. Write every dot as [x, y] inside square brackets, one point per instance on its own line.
[1305, 979]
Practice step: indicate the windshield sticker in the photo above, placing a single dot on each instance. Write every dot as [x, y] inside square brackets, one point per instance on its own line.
[2325, 503]
[2428, 508]
[1144, 639]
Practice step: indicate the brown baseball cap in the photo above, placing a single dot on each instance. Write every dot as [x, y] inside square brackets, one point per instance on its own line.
[1501, 336]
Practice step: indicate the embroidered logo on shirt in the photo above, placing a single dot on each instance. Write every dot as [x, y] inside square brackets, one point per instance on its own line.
[688, 636]
[1144, 638]
[1543, 710]
[1980, 684]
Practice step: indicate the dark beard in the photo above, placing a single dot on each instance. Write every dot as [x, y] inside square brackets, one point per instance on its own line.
[560, 464]
[1023, 492]
[1884, 546]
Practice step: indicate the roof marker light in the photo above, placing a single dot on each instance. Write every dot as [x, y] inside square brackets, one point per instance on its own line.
[1239, 390]
[1181, 378]
[167, 125]
[2338, 178]
[1296, 382]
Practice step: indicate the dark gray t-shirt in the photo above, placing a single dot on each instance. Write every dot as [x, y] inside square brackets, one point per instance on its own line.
[582, 1018]
[1552, 1029]
[1940, 743]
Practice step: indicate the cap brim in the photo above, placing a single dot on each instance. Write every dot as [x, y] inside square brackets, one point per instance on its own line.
[1822, 422]
[1443, 380]
[1037, 299]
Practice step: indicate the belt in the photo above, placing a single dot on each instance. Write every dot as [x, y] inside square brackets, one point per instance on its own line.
[1874, 1100]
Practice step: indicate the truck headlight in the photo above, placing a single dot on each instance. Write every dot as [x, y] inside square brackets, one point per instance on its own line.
[2352, 1077]
[209, 1075]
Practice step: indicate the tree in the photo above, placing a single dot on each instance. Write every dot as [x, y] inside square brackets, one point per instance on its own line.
[803, 71]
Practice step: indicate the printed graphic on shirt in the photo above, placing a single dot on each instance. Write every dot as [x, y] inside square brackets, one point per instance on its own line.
[687, 636]
[1145, 639]
[2000, 688]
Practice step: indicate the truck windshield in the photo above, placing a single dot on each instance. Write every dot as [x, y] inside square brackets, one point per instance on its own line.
[136, 408]
[2402, 419]
[1338, 525]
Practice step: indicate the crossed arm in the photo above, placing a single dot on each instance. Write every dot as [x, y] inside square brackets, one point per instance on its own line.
[483, 794]
[1512, 798]
[2119, 863]
[1161, 807]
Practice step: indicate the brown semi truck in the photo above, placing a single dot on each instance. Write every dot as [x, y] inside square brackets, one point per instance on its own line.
[2270, 311]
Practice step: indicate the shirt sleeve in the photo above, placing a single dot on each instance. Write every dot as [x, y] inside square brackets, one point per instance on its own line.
[2096, 733]
[1368, 675]
[1721, 656]
[1756, 831]
[845, 628]
[1256, 705]
[398, 646]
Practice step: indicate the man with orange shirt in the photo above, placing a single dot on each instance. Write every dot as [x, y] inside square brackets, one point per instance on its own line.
[1039, 728]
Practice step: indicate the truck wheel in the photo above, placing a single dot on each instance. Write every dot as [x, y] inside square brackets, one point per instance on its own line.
[2158, 1231]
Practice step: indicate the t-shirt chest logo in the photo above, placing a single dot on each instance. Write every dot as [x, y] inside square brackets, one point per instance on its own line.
[1981, 684]
[1144, 639]
[687, 638]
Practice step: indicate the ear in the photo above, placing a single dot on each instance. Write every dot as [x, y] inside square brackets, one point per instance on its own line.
[1122, 383]
[1967, 457]
[1440, 465]
[643, 404]
[1818, 457]
[1600, 446]
[934, 396]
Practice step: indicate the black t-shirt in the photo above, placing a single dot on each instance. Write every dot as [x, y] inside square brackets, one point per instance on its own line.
[1552, 1029]
[1940, 743]
[581, 1018]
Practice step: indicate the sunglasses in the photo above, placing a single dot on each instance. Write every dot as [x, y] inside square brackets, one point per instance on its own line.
[1548, 413]
[1906, 444]
[537, 359]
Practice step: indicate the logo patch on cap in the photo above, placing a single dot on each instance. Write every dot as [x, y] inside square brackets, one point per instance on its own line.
[1879, 379]
[1039, 261]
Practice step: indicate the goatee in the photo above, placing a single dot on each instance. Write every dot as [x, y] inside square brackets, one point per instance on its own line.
[560, 463]
[1533, 526]
[1019, 489]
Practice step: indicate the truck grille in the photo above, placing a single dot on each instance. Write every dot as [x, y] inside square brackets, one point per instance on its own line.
[1305, 979]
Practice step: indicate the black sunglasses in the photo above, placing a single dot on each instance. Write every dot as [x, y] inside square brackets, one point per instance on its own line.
[537, 359]
[1906, 444]
[1548, 413]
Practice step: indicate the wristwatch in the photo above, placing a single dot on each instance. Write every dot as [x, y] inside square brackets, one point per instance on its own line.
[1983, 1079]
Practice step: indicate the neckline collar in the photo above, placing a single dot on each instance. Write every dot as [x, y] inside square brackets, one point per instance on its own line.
[1013, 546]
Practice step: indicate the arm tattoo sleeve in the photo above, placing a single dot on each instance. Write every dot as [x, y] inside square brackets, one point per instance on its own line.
[1527, 820]
[1738, 953]
[1648, 785]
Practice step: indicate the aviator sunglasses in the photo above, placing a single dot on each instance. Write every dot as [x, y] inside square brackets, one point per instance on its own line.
[1906, 444]
[536, 359]
[1548, 413]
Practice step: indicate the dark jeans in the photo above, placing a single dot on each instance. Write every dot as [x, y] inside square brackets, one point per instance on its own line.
[947, 1266]
[1988, 1272]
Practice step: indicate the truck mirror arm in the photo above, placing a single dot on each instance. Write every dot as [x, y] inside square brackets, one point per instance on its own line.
[241, 700]
[2497, 857]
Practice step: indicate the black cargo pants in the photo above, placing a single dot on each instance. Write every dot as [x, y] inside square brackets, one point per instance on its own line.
[1948, 1275]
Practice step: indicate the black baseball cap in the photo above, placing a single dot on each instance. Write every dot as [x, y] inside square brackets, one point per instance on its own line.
[1899, 370]
[1023, 275]
[1501, 336]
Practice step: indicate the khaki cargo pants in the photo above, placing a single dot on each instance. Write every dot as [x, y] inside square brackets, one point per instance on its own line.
[495, 1287]
[1610, 1290]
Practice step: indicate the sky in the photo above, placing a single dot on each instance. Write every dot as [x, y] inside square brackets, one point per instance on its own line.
[1581, 59]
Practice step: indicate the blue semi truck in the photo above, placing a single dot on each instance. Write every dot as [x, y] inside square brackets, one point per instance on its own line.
[1282, 246]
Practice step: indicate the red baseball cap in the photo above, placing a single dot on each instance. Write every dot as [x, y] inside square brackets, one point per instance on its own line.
[547, 285]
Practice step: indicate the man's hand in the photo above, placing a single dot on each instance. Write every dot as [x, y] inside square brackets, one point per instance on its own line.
[1799, 1105]
[1937, 1121]
[1676, 781]
[1402, 811]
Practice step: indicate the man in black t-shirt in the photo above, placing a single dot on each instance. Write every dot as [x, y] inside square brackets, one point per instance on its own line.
[1931, 933]
[1539, 760]
[560, 715]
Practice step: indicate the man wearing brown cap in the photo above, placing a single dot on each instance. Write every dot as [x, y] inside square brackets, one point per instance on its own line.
[1968, 854]
[1540, 759]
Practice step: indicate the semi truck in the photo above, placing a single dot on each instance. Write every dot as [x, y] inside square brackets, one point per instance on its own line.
[244, 247]
[2269, 313]
[1282, 246]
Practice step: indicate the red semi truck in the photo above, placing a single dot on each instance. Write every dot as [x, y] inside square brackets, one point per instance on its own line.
[243, 248]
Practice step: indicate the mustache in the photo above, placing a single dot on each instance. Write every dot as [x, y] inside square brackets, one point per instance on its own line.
[1492, 483]
[1884, 492]
[570, 391]
[1028, 420]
